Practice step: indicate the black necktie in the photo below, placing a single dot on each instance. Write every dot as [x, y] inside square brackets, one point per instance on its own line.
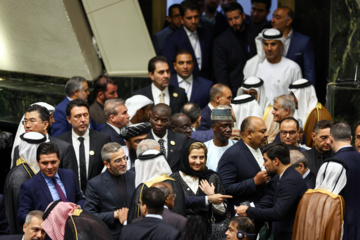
[82, 164]
[162, 146]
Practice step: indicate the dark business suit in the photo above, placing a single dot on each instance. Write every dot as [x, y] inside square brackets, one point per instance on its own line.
[179, 40]
[11, 237]
[205, 123]
[97, 141]
[159, 39]
[237, 168]
[200, 89]
[103, 198]
[150, 228]
[61, 124]
[351, 192]
[66, 151]
[176, 143]
[230, 53]
[301, 51]
[177, 97]
[35, 193]
[279, 204]
[114, 136]
[310, 180]
[177, 221]
[315, 164]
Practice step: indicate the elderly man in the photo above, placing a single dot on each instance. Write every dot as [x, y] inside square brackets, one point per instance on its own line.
[340, 140]
[87, 143]
[105, 88]
[322, 149]
[277, 71]
[50, 184]
[280, 202]
[222, 123]
[244, 179]
[181, 123]
[108, 195]
[220, 94]
[298, 47]
[171, 143]
[160, 91]
[76, 87]
[139, 108]
[301, 164]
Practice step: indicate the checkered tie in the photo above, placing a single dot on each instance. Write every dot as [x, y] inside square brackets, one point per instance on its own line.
[162, 147]
[59, 190]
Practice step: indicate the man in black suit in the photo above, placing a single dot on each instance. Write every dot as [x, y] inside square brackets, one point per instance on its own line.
[322, 149]
[32, 228]
[240, 166]
[340, 140]
[171, 143]
[282, 197]
[232, 49]
[87, 143]
[108, 195]
[117, 116]
[37, 119]
[301, 164]
[152, 226]
[160, 91]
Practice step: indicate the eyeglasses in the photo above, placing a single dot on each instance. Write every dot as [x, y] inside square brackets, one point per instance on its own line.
[121, 159]
[285, 133]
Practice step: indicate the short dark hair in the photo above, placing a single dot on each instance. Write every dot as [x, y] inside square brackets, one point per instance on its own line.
[47, 148]
[244, 224]
[100, 85]
[154, 199]
[246, 124]
[215, 90]
[341, 131]
[233, 6]
[192, 110]
[279, 150]
[322, 125]
[291, 13]
[183, 51]
[172, 7]
[44, 114]
[188, 5]
[153, 61]
[75, 103]
[291, 119]
[267, 3]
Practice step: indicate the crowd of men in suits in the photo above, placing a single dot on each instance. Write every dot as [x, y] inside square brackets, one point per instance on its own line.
[89, 155]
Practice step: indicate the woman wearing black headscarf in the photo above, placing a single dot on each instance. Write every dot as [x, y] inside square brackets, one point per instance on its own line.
[202, 187]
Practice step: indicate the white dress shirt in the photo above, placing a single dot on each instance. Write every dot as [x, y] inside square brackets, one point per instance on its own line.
[76, 145]
[186, 84]
[195, 43]
[165, 138]
[156, 94]
[287, 42]
[257, 155]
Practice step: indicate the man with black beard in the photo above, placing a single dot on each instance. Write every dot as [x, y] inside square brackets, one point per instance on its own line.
[133, 136]
[232, 49]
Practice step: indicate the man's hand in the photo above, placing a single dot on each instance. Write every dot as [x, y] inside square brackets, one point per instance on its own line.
[241, 210]
[123, 214]
[261, 177]
[206, 187]
[218, 198]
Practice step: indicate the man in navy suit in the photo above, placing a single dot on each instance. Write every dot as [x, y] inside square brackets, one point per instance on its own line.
[87, 143]
[190, 37]
[240, 166]
[196, 88]
[108, 195]
[284, 192]
[49, 184]
[340, 140]
[76, 87]
[160, 91]
[214, 18]
[298, 47]
[301, 164]
[152, 226]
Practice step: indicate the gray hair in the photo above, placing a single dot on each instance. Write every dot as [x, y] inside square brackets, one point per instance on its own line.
[341, 131]
[145, 145]
[34, 213]
[111, 105]
[73, 84]
[109, 148]
[297, 157]
[286, 101]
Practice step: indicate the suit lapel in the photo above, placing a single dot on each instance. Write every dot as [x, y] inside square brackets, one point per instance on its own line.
[293, 43]
[129, 185]
[196, 86]
[44, 187]
[249, 155]
[91, 149]
[110, 185]
[67, 185]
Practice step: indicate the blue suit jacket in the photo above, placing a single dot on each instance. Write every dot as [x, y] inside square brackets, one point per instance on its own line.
[301, 51]
[61, 125]
[280, 202]
[200, 89]
[103, 198]
[351, 192]
[203, 135]
[35, 194]
[159, 39]
[205, 123]
[114, 136]
[179, 40]
[237, 168]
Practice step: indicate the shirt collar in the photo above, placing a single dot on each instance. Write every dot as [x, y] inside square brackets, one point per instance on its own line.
[85, 136]
[156, 138]
[306, 174]
[117, 130]
[344, 147]
[48, 179]
[189, 79]
[290, 34]
[158, 91]
[189, 33]
[154, 216]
